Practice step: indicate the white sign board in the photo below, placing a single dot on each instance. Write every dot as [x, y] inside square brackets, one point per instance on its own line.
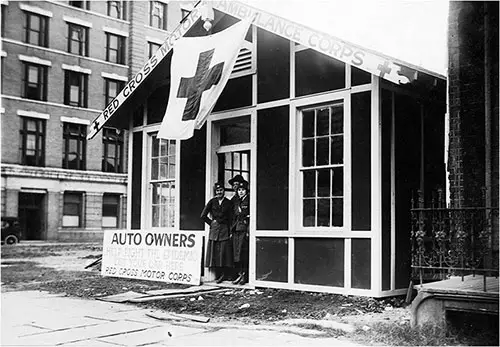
[165, 256]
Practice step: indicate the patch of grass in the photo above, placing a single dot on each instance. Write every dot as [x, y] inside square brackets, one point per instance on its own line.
[328, 331]
[427, 335]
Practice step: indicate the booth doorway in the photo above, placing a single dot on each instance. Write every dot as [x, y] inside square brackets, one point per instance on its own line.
[233, 152]
[30, 214]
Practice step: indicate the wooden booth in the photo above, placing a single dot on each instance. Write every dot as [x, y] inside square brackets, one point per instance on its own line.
[333, 138]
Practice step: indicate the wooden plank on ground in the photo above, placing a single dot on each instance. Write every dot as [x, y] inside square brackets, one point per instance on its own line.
[192, 289]
[122, 297]
[173, 296]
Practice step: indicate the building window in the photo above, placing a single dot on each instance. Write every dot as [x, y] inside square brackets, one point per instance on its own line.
[32, 141]
[163, 182]
[34, 82]
[152, 48]
[111, 89]
[158, 15]
[116, 9]
[75, 88]
[36, 30]
[322, 168]
[112, 156]
[72, 210]
[110, 210]
[85, 5]
[74, 146]
[78, 39]
[115, 48]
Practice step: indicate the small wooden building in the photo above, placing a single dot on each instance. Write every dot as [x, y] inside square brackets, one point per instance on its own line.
[332, 137]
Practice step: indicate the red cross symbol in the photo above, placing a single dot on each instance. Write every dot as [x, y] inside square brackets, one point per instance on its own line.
[193, 87]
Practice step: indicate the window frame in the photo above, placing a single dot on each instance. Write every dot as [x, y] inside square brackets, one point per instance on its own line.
[85, 4]
[118, 207]
[120, 49]
[162, 15]
[79, 208]
[82, 89]
[119, 86]
[41, 84]
[80, 135]
[40, 135]
[83, 43]
[42, 30]
[150, 50]
[121, 9]
[343, 100]
[173, 218]
[116, 141]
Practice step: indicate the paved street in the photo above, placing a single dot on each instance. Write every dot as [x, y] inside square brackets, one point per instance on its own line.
[33, 318]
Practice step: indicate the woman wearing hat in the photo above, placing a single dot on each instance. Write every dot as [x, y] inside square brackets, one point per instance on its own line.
[235, 183]
[240, 232]
[219, 248]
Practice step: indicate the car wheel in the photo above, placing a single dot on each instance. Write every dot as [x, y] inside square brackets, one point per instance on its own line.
[11, 239]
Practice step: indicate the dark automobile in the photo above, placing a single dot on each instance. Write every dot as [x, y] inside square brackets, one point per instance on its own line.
[11, 230]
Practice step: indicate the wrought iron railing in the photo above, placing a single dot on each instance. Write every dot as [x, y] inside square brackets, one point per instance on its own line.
[452, 241]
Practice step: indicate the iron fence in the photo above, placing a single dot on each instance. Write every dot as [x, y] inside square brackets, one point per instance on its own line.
[452, 241]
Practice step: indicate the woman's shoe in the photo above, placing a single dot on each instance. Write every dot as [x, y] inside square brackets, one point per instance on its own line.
[238, 279]
[243, 279]
[220, 279]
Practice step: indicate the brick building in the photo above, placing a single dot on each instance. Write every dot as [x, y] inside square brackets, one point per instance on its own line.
[473, 107]
[62, 62]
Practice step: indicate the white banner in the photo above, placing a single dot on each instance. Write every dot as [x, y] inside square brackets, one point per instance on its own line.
[199, 71]
[153, 255]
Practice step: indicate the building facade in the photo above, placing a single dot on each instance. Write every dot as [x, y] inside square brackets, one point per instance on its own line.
[62, 62]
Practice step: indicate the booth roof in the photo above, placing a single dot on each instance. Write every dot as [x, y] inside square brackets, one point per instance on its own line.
[412, 31]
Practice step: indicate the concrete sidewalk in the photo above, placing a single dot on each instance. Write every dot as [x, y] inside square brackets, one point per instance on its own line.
[32, 318]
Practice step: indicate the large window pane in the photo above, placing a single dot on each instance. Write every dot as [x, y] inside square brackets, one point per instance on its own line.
[322, 175]
[162, 181]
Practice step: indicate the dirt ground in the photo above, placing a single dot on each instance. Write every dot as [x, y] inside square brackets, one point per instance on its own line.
[60, 268]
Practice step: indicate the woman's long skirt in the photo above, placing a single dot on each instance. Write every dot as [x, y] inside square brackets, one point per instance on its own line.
[219, 254]
[240, 247]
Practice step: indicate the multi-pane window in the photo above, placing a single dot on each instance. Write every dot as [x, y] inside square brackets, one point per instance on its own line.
[323, 166]
[111, 89]
[72, 210]
[232, 164]
[85, 4]
[32, 141]
[74, 146]
[116, 9]
[112, 156]
[158, 15]
[163, 182]
[36, 29]
[75, 88]
[34, 82]
[110, 210]
[115, 48]
[78, 39]
[152, 48]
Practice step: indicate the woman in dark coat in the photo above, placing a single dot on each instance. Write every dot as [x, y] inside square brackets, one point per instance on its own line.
[240, 232]
[219, 248]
